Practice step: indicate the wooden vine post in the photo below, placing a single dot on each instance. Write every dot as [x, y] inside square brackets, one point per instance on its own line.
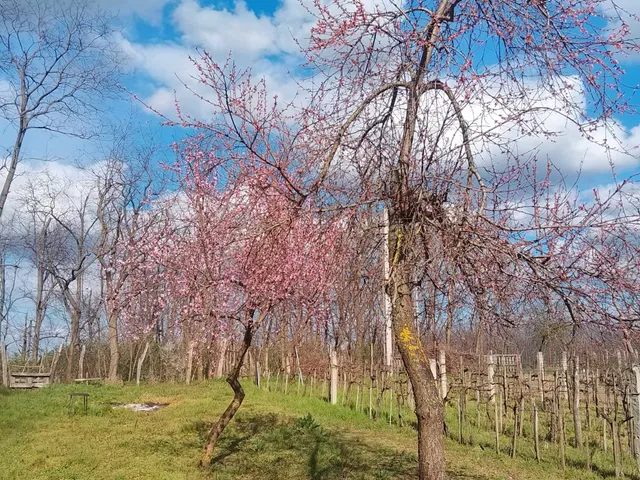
[540, 365]
[140, 362]
[333, 377]
[636, 413]
[577, 421]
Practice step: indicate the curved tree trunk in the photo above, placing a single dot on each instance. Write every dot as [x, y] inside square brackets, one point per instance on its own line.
[238, 392]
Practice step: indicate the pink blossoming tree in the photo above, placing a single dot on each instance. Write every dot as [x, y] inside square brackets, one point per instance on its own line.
[439, 110]
[230, 249]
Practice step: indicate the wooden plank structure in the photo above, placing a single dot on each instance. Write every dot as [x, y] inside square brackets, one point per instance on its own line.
[508, 363]
[29, 379]
[27, 376]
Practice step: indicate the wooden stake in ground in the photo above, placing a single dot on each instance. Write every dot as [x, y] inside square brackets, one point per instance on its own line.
[222, 350]
[258, 373]
[515, 430]
[371, 385]
[536, 441]
[587, 396]
[636, 413]
[577, 421]
[562, 435]
[140, 362]
[460, 441]
[54, 362]
[333, 374]
[490, 375]
[497, 426]
[300, 378]
[442, 363]
[344, 388]
[478, 416]
[391, 396]
[540, 362]
[563, 379]
[83, 352]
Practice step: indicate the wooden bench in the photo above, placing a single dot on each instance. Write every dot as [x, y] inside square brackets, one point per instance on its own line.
[89, 381]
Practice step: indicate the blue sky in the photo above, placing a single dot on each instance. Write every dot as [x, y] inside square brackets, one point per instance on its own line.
[158, 36]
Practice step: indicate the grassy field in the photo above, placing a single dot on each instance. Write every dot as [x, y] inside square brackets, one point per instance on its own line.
[274, 436]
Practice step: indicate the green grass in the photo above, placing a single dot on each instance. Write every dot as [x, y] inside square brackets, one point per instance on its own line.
[274, 436]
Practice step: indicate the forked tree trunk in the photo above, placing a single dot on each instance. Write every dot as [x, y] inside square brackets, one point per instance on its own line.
[238, 392]
[429, 406]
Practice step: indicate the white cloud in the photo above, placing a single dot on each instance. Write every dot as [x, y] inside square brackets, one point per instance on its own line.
[220, 31]
[265, 43]
[557, 128]
[58, 187]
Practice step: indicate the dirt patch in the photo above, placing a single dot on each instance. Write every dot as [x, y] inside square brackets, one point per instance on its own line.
[140, 407]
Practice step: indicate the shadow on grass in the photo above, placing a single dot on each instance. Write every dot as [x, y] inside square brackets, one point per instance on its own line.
[602, 471]
[267, 447]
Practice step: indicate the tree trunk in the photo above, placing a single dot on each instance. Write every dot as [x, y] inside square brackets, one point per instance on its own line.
[15, 156]
[238, 393]
[5, 365]
[190, 346]
[222, 346]
[114, 354]
[41, 299]
[81, 362]
[450, 308]
[74, 344]
[429, 406]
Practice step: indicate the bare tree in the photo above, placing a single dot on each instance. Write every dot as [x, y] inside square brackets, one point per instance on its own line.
[58, 65]
[123, 186]
[36, 238]
[71, 208]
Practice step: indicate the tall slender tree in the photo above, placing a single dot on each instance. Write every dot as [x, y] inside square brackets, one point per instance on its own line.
[58, 67]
